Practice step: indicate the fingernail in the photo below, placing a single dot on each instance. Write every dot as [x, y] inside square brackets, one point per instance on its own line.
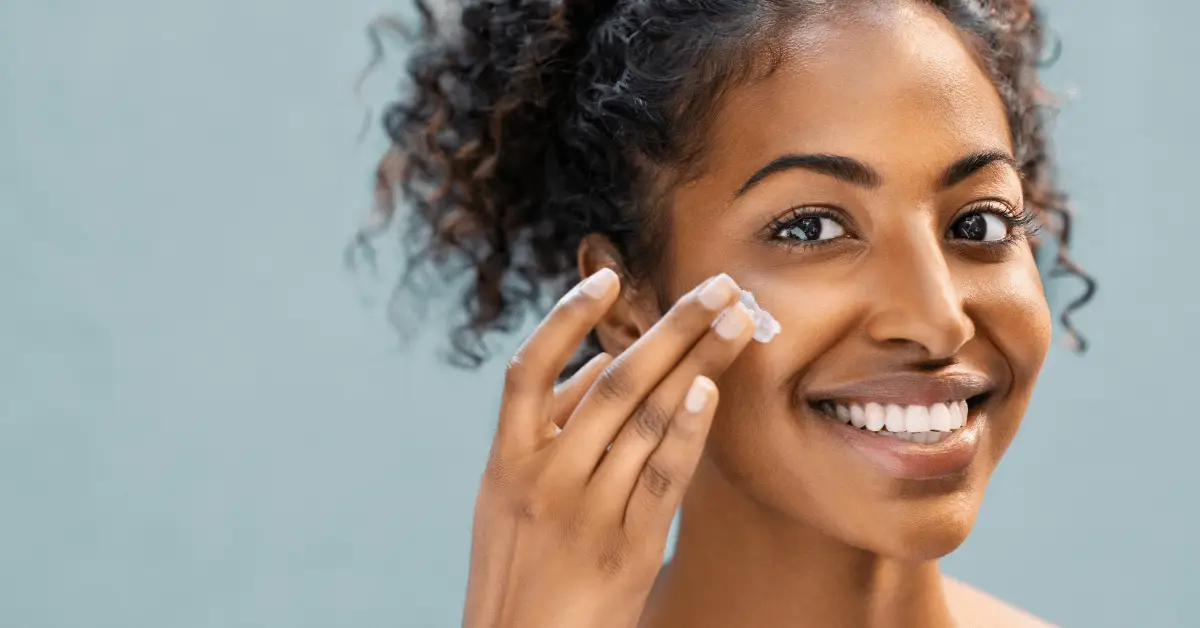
[599, 283]
[697, 395]
[718, 292]
[731, 323]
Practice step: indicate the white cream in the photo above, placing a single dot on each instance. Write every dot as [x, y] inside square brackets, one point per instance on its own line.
[765, 325]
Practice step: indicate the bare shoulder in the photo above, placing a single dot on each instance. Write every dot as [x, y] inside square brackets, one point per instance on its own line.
[975, 609]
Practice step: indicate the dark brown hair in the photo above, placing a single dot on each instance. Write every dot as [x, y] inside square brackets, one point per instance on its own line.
[530, 124]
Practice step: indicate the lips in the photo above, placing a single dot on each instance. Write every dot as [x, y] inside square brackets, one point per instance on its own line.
[909, 425]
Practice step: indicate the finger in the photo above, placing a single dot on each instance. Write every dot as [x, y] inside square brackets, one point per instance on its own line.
[617, 474]
[664, 478]
[529, 379]
[569, 393]
[637, 371]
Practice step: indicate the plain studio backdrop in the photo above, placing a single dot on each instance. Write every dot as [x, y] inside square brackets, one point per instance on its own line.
[206, 421]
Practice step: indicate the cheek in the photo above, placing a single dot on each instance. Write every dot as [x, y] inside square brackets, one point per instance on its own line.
[758, 413]
[1009, 307]
[814, 317]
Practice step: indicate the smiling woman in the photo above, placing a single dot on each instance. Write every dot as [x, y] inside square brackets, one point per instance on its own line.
[874, 173]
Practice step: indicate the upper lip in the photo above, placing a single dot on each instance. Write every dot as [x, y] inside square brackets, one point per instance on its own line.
[907, 389]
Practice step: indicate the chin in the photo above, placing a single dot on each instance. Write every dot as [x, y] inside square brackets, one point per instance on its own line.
[922, 532]
[906, 520]
[798, 462]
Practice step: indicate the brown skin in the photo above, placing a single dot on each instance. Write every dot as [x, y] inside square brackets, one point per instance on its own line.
[783, 524]
[783, 521]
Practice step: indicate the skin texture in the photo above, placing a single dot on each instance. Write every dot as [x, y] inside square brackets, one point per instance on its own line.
[783, 523]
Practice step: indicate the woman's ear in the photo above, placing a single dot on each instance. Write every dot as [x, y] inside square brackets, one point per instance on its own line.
[633, 313]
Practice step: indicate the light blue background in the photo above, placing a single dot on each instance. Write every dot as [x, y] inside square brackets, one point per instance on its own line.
[205, 421]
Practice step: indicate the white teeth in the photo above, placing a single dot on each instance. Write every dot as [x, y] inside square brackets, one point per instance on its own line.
[874, 414]
[894, 420]
[923, 425]
[916, 419]
[929, 438]
[939, 418]
[858, 418]
[958, 414]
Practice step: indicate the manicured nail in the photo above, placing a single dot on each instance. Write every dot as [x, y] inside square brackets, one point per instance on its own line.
[718, 292]
[697, 395]
[731, 323]
[599, 283]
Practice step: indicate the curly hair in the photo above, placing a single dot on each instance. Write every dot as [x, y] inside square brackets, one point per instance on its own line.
[533, 123]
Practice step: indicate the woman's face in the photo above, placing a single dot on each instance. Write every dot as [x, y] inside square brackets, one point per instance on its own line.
[864, 193]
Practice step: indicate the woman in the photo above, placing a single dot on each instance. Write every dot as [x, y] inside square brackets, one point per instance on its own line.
[873, 172]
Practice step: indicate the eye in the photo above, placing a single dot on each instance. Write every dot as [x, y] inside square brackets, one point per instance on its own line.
[982, 226]
[813, 228]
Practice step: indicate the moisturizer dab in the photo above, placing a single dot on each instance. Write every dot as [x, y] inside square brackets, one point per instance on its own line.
[765, 325]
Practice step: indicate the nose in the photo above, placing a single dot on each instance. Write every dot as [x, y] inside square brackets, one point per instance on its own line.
[916, 302]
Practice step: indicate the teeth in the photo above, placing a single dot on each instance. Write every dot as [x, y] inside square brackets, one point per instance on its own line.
[940, 417]
[958, 414]
[923, 425]
[858, 418]
[916, 419]
[894, 420]
[874, 414]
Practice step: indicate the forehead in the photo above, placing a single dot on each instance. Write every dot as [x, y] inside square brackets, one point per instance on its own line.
[894, 85]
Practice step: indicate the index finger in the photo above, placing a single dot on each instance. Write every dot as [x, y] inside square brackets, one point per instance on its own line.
[532, 372]
[631, 377]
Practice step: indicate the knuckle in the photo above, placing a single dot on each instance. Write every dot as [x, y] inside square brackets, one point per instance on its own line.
[530, 499]
[614, 383]
[575, 527]
[529, 508]
[613, 557]
[657, 480]
[650, 420]
[686, 319]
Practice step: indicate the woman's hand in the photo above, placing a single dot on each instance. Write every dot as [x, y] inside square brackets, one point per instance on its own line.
[582, 483]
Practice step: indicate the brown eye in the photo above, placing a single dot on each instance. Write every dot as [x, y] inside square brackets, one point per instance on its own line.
[810, 229]
[981, 227]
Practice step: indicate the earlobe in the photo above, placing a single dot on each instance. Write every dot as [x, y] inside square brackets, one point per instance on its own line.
[627, 319]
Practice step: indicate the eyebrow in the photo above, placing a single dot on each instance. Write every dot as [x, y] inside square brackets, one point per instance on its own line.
[966, 167]
[861, 175]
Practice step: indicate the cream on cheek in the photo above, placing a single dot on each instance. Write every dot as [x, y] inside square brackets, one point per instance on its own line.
[765, 325]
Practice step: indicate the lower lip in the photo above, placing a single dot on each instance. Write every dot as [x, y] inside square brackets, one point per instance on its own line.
[913, 461]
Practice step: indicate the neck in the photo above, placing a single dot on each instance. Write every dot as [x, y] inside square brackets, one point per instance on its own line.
[739, 563]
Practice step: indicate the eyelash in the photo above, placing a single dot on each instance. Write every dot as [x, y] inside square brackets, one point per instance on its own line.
[1022, 223]
[792, 218]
